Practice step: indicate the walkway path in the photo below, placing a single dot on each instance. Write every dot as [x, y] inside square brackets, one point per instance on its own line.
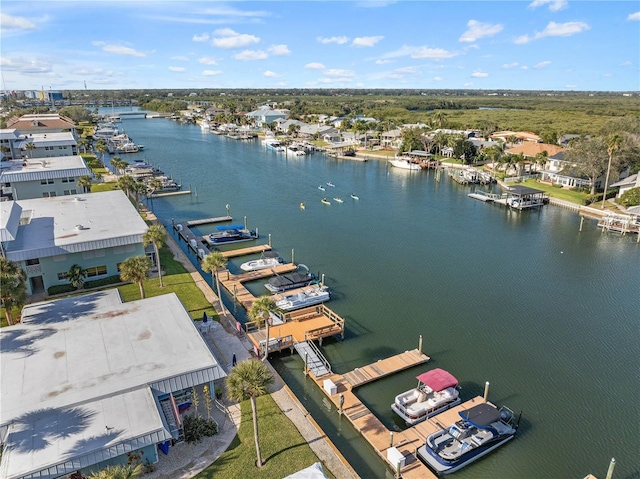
[225, 341]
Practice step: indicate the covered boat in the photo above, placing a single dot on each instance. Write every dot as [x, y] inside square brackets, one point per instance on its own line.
[405, 164]
[436, 392]
[482, 429]
[269, 259]
[314, 295]
[285, 282]
[231, 234]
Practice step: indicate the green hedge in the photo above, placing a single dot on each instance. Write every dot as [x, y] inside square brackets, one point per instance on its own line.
[68, 288]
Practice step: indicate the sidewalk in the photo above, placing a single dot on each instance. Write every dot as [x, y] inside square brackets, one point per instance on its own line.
[224, 341]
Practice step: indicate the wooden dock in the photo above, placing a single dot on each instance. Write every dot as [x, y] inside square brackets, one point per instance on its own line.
[170, 193]
[233, 282]
[194, 242]
[233, 253]
[374, 432]
[206, 221]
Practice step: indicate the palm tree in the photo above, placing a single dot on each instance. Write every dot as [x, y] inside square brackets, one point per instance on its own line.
[76, 276]
[13, 287]
[441, 118]
[135, 270]
[29, 147]
[126, 183]
[248, 380]
[84, 143]
[85, 182]
[153, 186]
[157, 236]
[614, 142]
[101, 147]
[117, 162]
[260, 312]
[126, 471]
[211, 264]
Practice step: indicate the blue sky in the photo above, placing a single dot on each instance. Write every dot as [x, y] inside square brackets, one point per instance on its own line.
[519, 45]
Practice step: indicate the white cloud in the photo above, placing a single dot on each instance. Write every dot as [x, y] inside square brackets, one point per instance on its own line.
[634, 16]
[211, 73]
[279, 50]
[271, 74]
[177, 69]
[366, 41]
[335, 72]
[420, 53]
[338, 40]
[554, 29]
[10, 25]
[180, 58]
[524, 67]
[625, 64]
[118, 49]
[335, 80]
[479, 74]
[383, 62]
[607, 75]
[542, 64]
[248, 55]
[207, 61]
[479, 30]
[438, 78]
[468, 84]
[26, 66]
[554, 5]
[572, 87]
[510, 65]
[201, 38]
[227, 38]
[407, 70]
[314, 66]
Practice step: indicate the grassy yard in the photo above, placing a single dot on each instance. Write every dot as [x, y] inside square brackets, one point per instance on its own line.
[560, 193]
[283, 449]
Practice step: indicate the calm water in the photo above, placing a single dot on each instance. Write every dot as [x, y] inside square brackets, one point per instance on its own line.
[549, 315]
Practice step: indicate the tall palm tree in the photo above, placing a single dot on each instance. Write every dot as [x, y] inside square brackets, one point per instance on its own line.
[13, 287]
[121, 471]
[126, 183]
[85, 182]
[157, 236]
[614, 142]
[29, 147]
[116, 162]
[84, 143]
[260, 312]
[135, 270]
[211, 264]
[249, 380]
[441, 118]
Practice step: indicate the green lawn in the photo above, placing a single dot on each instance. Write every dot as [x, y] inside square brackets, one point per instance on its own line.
[283, 449]
[560, 193]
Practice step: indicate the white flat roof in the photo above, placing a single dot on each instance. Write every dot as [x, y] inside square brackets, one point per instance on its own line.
[71, 224]
[78, 377]
[43, 168]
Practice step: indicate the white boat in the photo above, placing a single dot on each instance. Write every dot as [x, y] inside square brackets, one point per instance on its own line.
[435, 393]
[205, 125]
[297, 279]
[296, 150]
[269, 259]
[479, 195]
[482, 429]
[404, 164]
[354, 196]
[313, 295]
[273, 144]
[337, 199]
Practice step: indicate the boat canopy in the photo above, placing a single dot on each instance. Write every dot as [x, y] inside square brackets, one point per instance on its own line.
[438, 379]
[481, 416]
[230, 227]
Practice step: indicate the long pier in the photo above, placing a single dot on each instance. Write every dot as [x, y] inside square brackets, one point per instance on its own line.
[339, 388]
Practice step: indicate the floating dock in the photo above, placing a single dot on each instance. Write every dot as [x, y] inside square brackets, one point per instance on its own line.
[233, 282]
[170, 193]
[195, 242]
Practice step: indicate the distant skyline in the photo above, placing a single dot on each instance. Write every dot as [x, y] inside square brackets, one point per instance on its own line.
[516, 45]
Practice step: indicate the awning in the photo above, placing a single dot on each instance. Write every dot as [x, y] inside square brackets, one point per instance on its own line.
[438, 379]
[482, 415]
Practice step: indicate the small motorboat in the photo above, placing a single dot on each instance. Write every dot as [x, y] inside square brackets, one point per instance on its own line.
[354, 196]
[326, 201]
[435, 393]
[297, 279]
[321, 188]
[338, 199]
[269, 259]
[231, 234]
[330, 184]
[302, 206]
[482, 429]
[313, 295]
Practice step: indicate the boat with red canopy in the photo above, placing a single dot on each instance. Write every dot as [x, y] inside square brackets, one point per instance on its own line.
[437, 391]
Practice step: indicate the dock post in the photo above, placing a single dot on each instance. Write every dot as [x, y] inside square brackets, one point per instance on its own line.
[306, 359]
[196, 190]
[420, 344]
[486, 391]
[292, 257]
[245, 222]
[322, 281]
[269, 239]
[581, 221]
[612, 465]
[398, 470]
[227, 206]
[390, 438]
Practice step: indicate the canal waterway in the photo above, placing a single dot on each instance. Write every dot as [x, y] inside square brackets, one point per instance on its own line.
[547, 314]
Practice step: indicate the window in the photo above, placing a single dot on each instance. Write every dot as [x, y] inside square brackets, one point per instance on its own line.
[66, 192]
[43, 182]
[62, 276]
[73, 192]
[71, 179]
[64, 180]
[32, 261]
[96, 271]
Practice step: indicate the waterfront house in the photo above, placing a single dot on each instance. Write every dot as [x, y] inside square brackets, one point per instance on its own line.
[391, 139]
[42, 123]
[540, 153]
[91, 381]
[324, 132]
[42, 178]
[48, 145]
[624, 185]
[46, 236]
[265, 116]
[520, 136]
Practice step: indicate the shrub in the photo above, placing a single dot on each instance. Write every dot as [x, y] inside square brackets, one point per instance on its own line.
[630, 198]
[195, 428]
[103, 282]
[60, 289]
